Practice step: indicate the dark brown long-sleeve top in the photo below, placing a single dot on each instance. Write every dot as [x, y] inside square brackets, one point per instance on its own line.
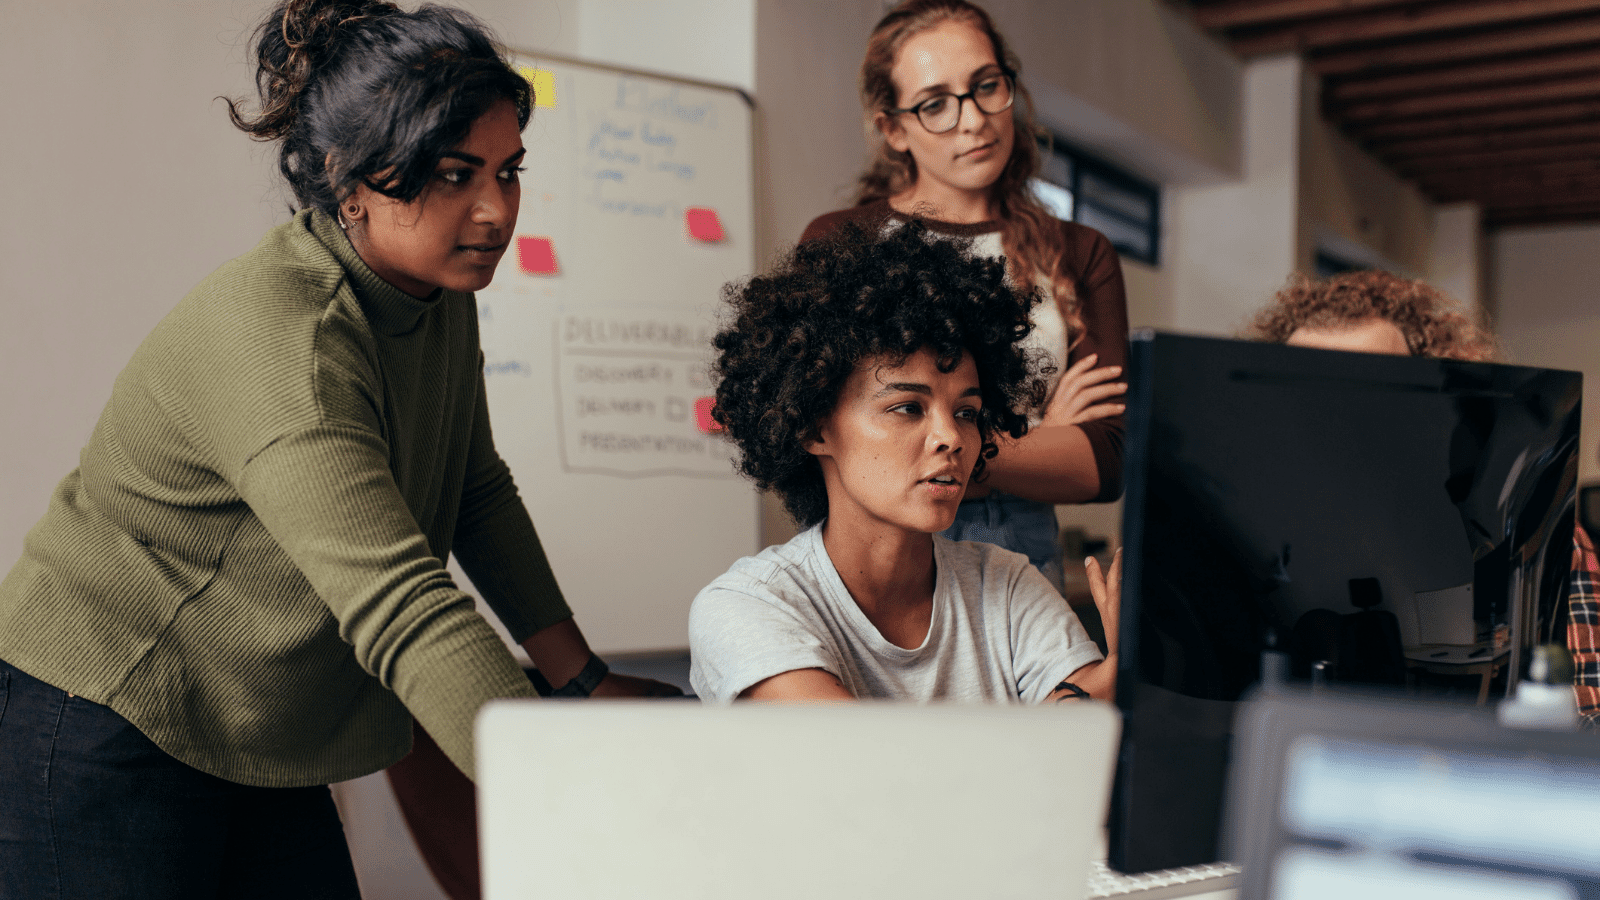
[1096, 273]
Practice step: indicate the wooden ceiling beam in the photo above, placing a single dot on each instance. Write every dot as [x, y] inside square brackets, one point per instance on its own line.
[1453, 48]
[1459, 76]
[1526, 200]
[1488, 192]
[1391, 23]
[1218, 14]
[1520, 96]
[1533, 177]
[1555, 115]
[1514, 216]
[1573, 189]
[1486, 143]
[1520, 156]
[1526, 206]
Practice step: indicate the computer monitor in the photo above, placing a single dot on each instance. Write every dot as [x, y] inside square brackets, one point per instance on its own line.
[1351, 510]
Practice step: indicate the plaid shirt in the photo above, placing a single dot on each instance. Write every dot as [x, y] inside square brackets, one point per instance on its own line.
[1583, 626]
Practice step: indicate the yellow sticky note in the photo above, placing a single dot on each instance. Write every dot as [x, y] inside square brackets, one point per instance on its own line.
[544, 85]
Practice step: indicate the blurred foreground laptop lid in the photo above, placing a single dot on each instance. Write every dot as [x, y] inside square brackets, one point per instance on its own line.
[621, 800]
[1337, 795]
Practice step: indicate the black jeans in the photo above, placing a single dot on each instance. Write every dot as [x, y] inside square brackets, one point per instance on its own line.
[90, 807]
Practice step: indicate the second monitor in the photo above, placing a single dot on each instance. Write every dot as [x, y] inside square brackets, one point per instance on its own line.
[1359, 513]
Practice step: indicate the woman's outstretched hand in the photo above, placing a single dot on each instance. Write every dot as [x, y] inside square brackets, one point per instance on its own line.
[1086, 393]
[1106, 588]
[1099, 679]
[617, 686]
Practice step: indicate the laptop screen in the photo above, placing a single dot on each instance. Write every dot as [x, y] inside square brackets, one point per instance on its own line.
[1351, 797]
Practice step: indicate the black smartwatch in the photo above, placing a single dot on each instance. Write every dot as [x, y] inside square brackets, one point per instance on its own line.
[587, 679]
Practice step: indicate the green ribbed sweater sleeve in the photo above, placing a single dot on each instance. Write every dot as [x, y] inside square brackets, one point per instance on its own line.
[496, 543]
[326, 496]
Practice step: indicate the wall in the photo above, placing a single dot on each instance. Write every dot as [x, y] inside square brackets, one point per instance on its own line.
[127, 185]
[1231, 244]
[1544, 284]
[1348, 198]
[1455, 259]
[1135, 82]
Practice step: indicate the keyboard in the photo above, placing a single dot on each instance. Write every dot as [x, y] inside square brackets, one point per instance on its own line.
[1185, 881]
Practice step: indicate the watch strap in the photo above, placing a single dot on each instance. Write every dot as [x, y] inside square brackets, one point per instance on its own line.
[587, 679]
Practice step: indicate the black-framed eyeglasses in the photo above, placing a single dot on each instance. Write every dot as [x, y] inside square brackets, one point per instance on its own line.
[942, 112]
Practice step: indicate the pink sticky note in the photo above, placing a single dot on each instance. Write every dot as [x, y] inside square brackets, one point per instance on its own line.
[702, 415]
[537, 255]
[703, 223]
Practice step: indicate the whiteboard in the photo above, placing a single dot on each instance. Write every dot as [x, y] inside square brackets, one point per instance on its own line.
[596, 339]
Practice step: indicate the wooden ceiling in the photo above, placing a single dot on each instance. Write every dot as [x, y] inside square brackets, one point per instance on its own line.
[1493, 101]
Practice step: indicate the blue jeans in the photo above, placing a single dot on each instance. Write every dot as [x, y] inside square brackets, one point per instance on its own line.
[90, 807]
[1023, 526]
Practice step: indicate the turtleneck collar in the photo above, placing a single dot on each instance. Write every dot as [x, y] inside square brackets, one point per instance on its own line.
[389, 309]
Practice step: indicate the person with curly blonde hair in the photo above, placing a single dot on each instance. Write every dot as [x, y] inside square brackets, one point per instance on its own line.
[1372, 312]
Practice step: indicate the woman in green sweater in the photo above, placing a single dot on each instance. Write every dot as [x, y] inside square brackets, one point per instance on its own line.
[239, 596]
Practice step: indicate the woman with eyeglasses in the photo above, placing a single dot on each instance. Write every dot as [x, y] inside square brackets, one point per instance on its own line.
[957, 147]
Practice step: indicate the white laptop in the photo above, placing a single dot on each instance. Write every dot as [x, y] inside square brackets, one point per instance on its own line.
[620, 800]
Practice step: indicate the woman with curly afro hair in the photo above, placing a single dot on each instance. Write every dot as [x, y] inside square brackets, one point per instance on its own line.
[865, 380]
[1371, 312]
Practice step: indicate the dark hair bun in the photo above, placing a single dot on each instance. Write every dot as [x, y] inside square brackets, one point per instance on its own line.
[294, 39]
[361, 92]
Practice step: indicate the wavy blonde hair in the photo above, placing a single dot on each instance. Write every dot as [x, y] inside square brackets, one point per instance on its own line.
[1030, 235]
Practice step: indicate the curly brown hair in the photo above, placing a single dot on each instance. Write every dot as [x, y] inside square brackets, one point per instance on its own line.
[791, 339]
[1433, 324]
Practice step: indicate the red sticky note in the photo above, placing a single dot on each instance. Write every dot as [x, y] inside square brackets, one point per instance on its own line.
[703, 223]
[702, 415]
[537, 255]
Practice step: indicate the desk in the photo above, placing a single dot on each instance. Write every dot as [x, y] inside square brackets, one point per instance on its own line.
[1454, 659]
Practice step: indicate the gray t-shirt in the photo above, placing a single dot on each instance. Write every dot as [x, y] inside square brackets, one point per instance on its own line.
[999, 632]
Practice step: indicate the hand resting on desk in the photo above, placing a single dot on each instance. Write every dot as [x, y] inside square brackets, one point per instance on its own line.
[615, 686]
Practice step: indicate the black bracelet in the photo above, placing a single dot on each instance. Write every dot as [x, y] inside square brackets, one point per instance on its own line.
[584, 683]
[1077, 693]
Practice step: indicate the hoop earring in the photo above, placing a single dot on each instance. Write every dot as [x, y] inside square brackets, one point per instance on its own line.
[355, 210]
